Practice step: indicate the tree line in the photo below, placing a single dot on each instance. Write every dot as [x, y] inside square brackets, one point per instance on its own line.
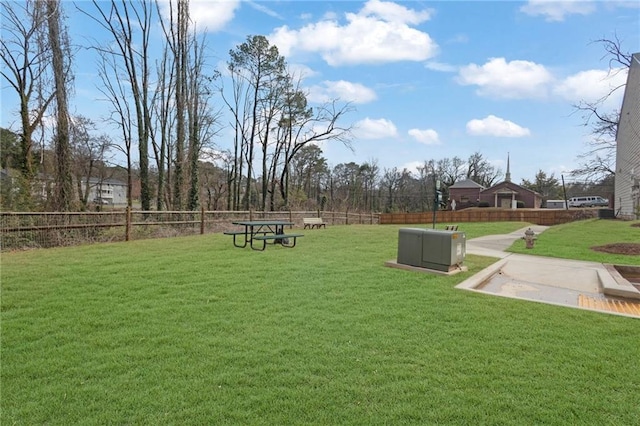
[314, 185]
[167, 107]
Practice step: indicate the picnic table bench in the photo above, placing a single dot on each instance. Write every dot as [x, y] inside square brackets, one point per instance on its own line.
[242, 243]
[313, 222]
[285, 240]
[262, 230]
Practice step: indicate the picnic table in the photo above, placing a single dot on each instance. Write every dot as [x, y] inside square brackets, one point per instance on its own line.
[262, 231]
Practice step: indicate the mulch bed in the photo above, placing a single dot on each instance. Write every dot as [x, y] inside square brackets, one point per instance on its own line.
[632, 249]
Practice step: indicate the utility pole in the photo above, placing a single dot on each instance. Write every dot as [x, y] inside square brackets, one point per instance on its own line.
[436, 202]
[564, 192]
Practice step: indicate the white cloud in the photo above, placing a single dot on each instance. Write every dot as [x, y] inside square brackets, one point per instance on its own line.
[375, 129]
[593, 85]
[343, 90]
[379, 33]
[207, 15]
[300, 71]
[393, 12]
[521, 79]
[261, 8]
[631, 4]
[440, 66]
[556, 11]
[427, 136]
[412, 167]
[512, 80]
[496, 126]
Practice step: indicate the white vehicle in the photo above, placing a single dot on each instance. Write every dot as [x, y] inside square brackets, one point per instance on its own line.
[588, 201]
[556, 204]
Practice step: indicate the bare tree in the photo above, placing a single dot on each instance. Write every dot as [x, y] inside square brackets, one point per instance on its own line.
[450, 170]
[121, 115]
[390, 183]
[60, 61]
[214, 183]
[260, 65]
[130, 25]
[179, 48]
[598, 161]
[26, 59]
[178, 39]
[342, 182]
[481, 171]
[239, 107]
[89, 155]
[370, 171]
[161, 132]
[195, 117]
[311, 126]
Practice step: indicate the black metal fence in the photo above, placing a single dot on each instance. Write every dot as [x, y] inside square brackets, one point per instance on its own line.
[21, 231]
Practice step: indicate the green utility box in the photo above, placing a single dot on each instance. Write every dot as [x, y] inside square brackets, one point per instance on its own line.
[431, 248]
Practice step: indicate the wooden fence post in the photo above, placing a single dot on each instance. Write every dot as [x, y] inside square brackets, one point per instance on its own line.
[127, 236]
[201, 220]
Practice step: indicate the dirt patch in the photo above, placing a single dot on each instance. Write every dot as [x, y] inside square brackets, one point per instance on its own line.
[632, 249]
[636, 224]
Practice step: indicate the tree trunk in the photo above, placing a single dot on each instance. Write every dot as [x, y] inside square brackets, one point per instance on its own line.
[63, 178]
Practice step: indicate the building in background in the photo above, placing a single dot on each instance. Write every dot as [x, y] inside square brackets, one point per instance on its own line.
[505, 194]
[106, 191]
[627, 185]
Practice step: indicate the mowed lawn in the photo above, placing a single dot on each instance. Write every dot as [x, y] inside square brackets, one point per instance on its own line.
[194, 331]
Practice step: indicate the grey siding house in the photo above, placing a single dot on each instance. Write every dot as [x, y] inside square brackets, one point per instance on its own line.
[627, 184]
[106, 191]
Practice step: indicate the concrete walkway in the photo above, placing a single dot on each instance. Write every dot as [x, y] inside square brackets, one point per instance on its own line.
[579, 284]
[495, 245]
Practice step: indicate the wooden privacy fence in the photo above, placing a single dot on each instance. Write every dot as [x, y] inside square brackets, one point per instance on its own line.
[546, 217]
[55, 229]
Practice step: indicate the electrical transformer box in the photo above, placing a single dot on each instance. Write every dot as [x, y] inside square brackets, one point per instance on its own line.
[431, 248]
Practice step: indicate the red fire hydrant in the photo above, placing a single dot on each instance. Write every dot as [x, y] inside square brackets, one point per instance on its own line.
[529, 238]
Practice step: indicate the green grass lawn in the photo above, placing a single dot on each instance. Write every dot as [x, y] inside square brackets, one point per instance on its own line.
[194, 331]
[574, 240]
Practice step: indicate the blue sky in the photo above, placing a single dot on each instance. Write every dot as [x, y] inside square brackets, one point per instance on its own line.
[428, 79]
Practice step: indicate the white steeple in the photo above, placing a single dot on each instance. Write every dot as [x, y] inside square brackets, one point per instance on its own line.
[507, 177]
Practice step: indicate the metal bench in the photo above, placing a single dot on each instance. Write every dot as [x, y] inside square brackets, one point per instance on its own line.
[451, 228]
[313, 222]
[286, 240]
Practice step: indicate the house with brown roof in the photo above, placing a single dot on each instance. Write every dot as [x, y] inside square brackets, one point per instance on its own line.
[465, 193]
[506, 194]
